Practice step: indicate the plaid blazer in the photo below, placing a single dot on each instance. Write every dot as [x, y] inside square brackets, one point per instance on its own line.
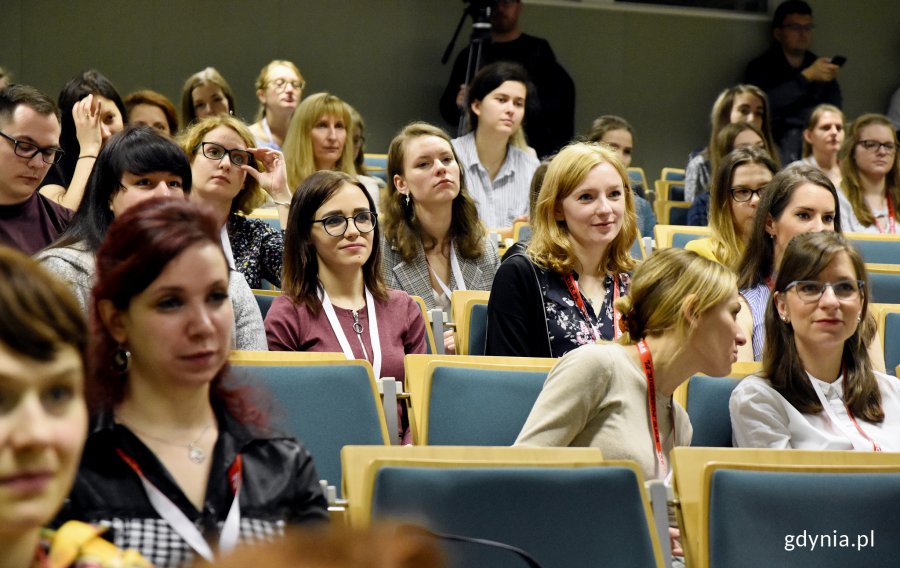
[413, 278]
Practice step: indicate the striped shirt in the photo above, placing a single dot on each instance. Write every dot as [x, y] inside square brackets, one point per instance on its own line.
[758, 300]
[505, 197]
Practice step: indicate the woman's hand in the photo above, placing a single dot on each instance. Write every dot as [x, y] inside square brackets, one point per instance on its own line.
[274, 179]
[86, 115]
[675, 540]
[449, 343]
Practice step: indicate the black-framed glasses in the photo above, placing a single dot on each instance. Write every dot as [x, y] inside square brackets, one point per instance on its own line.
[50, 154]
[744, 194]
[875, 145]
[799, 27]
[811, 290]
[336, 225]
[217, 152]
[282, 84]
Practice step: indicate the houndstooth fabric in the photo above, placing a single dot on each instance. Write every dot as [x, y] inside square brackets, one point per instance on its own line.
[162, 546]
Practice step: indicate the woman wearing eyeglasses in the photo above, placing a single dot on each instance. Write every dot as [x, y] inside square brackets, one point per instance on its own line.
[818, 389]
[223, 164]
[871, 176]
[137, 164]
[334, 294]
[740, 181]
[279, 87]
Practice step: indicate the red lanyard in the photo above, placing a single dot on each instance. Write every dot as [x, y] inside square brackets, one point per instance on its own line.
[890, 208]
[572, 285]
[647, 362]
[875, 446]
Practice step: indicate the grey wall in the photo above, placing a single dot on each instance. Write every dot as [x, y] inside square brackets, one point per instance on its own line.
[659, 70]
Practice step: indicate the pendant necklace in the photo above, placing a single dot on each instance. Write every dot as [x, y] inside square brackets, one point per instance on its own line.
[195, 452]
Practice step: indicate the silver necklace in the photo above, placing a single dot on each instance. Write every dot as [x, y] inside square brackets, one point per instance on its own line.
[195, 452]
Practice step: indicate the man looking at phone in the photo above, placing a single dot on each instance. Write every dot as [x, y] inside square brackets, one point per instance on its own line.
[793, 77]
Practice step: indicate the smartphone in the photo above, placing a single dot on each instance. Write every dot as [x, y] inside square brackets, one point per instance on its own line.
[838, 60]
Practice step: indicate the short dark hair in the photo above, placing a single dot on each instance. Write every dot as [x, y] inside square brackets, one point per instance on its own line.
[137, 149]
[491, 77]
[15, 95]
[787, 8]
[300, 278]
[90, 82]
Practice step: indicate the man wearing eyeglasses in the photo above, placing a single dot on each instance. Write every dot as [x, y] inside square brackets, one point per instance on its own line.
[793, 77]
[29, 145]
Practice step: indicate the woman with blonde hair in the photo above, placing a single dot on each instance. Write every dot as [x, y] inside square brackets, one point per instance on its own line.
[205, 93]
[678, 319]
[616, 132]
[226, 178]
[741, 103]
[434, 242]
[279, 88]
[870, 200]
[560, 293]
[822, 141]
[317, 139]
[735, 193]
[819, 389]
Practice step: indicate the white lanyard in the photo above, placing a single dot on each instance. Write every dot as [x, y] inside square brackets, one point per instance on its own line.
[188, 531]
[342, 337]
[852, 434]
[457, 274]
[226, 246]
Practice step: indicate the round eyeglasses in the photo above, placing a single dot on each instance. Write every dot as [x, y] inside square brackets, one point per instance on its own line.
[812, 290]
[282, 84]
[336, 225]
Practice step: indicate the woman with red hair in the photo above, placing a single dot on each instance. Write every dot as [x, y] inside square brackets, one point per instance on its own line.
[177, 462]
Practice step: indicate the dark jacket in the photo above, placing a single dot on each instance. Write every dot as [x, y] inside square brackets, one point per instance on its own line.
[279, 486]
[517, 321]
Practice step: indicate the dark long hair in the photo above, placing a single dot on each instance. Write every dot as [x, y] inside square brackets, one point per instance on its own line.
[300, 278]
[138, 150]
[758, 262]
[140, 244]
[806, 256]
[90, 82]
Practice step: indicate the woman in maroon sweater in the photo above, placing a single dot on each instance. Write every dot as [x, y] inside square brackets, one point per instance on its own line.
[334, 296]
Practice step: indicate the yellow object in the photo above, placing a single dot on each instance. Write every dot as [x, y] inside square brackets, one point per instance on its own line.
[77, 542]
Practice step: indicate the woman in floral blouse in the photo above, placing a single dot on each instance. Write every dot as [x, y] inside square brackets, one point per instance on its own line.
[224, 167]
[559, 294]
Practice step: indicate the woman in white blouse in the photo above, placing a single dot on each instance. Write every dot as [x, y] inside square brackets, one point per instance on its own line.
[818, 390]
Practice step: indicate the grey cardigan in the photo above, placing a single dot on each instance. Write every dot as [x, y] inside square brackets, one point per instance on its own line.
[413, 278]
[75, 266]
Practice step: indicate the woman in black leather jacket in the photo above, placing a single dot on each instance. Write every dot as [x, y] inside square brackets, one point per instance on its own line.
[176, 462]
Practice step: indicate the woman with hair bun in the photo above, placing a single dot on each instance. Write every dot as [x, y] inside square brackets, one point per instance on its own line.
[679, 318]
[279, 88]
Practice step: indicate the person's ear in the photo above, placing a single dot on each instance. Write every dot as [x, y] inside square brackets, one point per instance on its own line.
[113, 320]
[781, 307]
[689, 310]
[476, 108]
[770, 225]
[807, 137]
[261, 95]
[400, 184]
